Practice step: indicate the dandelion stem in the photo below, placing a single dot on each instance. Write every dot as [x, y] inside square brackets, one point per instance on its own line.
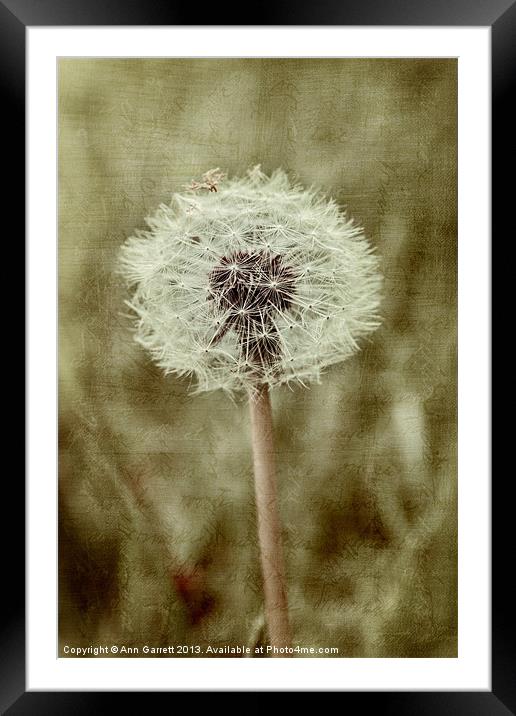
[269, 526]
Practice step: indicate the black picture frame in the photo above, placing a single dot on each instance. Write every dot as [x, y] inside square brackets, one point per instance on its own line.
[15, 17]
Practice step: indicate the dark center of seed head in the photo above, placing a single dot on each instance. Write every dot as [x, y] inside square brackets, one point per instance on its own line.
[249, 291]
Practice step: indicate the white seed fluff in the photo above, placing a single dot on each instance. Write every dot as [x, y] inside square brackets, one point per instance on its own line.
[253, 281]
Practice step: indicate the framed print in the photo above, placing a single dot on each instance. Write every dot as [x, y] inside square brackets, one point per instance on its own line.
[258, 358]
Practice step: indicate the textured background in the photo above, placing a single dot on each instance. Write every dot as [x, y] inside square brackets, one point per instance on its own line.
[157, 537]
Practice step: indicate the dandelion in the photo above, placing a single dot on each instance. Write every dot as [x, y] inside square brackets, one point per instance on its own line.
[247, 284]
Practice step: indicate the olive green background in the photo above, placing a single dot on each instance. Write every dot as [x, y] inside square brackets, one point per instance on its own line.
[157, 528]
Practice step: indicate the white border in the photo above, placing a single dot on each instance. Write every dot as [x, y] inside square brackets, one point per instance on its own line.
[471, 670]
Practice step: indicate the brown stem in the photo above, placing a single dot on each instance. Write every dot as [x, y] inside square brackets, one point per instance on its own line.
[269, 527]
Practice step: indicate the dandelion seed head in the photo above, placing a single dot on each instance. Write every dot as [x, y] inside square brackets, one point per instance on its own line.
[251, 281]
